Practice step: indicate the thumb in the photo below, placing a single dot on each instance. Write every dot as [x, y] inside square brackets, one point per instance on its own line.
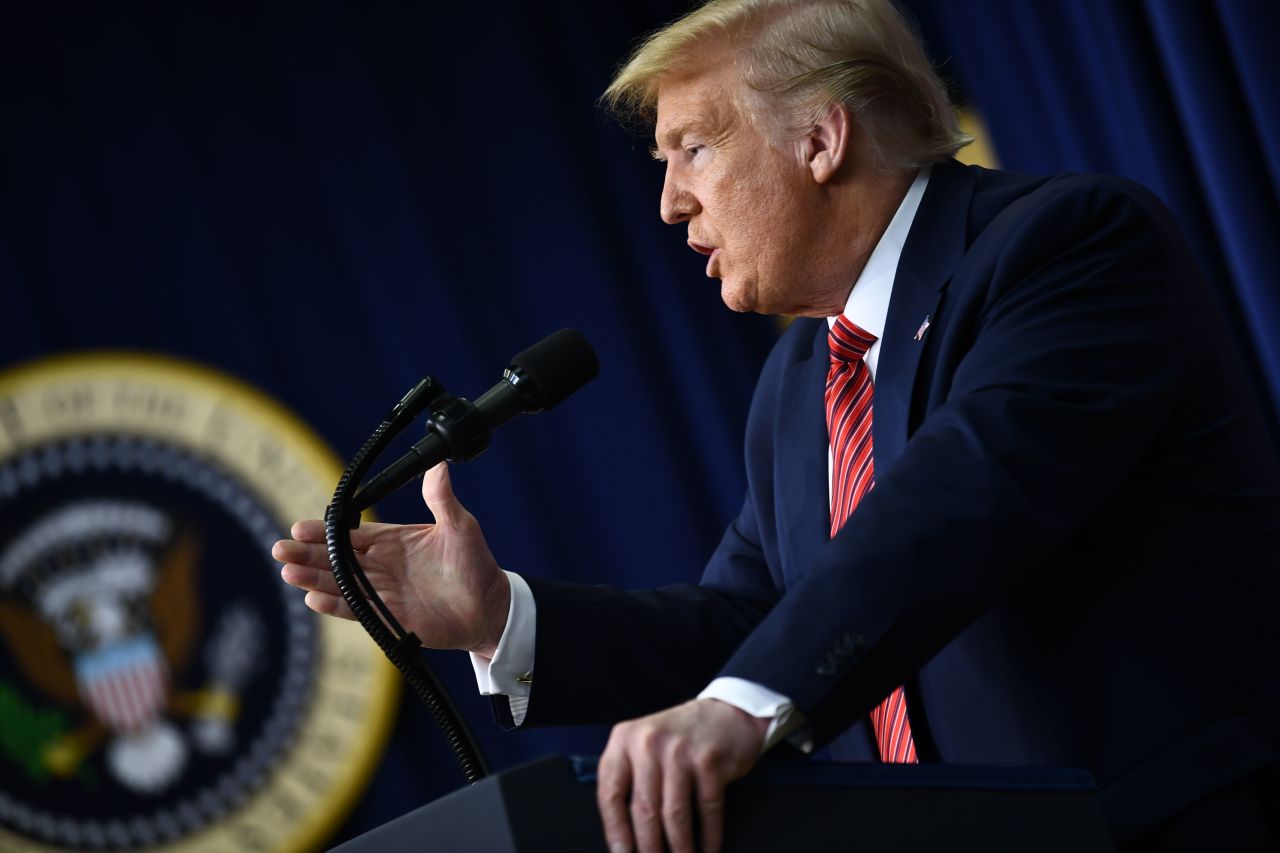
[437, 493]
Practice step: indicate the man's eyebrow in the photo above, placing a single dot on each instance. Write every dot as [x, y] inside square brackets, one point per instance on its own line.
[671, 138]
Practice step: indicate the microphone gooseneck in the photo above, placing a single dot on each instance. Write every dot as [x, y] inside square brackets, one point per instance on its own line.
[457, 430]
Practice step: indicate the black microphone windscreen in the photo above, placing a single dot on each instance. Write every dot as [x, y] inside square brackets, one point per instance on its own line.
[558, 365]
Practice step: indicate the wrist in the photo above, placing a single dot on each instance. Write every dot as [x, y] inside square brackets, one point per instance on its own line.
[496, 608]
[758, 725]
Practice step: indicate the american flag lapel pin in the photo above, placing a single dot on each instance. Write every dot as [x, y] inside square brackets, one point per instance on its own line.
[924, 327]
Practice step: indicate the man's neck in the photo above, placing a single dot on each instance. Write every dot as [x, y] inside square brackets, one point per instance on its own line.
[861, 210]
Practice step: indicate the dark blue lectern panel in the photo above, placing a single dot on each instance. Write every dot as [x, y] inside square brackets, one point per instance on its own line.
[549, 805]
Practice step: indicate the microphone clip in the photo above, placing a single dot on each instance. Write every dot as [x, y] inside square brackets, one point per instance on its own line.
[462, 427]
[423, 397]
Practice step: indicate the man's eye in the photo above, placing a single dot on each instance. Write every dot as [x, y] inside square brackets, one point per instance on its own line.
[691, 150]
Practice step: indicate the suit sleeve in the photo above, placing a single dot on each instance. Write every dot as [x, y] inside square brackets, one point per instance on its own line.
[1070, 363]
[605, 654]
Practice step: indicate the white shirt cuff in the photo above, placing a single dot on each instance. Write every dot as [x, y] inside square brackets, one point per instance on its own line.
[510, 672]
[786, 722]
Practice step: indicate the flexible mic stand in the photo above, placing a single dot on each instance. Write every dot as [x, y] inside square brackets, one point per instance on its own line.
[537, 379]
[400, 646]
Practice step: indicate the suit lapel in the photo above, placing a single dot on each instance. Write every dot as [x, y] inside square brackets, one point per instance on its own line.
[934, 247]
[803, 506]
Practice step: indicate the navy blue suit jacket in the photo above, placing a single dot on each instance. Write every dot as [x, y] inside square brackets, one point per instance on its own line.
[1070, 553]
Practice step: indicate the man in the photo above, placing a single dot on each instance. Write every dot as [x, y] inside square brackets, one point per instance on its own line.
[1010, 500]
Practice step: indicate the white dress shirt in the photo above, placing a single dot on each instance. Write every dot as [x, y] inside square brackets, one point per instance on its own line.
[510, 672]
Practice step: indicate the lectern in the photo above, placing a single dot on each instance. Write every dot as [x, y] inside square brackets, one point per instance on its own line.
[549, 805]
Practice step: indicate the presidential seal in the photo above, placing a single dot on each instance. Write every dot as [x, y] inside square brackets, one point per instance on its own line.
[159, 685]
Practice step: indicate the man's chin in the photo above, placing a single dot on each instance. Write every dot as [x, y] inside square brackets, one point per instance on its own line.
[737, 297]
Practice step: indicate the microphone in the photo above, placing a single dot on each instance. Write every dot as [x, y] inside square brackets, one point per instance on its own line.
[537, 379]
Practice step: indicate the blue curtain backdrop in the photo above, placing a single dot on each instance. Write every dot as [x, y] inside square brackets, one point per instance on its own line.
[332, 200]
[1178, 95]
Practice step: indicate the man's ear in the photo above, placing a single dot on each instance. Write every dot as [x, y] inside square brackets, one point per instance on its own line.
[829, 142]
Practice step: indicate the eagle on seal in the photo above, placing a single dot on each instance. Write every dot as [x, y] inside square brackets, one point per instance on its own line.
[98, 605]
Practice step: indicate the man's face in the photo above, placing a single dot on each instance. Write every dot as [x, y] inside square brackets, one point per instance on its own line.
[750, 205]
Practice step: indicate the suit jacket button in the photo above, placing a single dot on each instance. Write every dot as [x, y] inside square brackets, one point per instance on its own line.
[848, 644]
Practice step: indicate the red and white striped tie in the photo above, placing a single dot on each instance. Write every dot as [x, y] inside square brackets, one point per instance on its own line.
[849, 404]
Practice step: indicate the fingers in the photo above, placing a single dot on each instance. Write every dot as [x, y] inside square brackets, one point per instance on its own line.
[306, 564]
[311, 531]
[646, 804]
[710, 808]
[437, 493]
[645, 791]
[306, 555]
[309, 578]
[302, 553]
[613, 788]
[328, 604]
[677, 813]
[671, 766]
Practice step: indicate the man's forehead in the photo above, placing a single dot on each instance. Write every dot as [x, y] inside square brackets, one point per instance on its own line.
[696, 100]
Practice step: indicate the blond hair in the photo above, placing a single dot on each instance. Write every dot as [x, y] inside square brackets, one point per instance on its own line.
[796, 58]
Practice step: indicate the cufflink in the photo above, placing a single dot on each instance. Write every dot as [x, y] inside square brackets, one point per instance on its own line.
[527, 678]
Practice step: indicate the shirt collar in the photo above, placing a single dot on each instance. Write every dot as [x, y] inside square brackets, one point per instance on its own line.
[868, 305]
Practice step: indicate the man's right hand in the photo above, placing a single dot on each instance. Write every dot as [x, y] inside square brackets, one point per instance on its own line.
[438, 579]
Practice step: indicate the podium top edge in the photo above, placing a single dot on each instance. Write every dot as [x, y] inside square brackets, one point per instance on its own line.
[824, 774]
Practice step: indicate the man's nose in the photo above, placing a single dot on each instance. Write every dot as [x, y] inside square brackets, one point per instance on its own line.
[677, 204]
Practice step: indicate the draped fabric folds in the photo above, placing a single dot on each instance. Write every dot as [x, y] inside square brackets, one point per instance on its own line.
[332, 200]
